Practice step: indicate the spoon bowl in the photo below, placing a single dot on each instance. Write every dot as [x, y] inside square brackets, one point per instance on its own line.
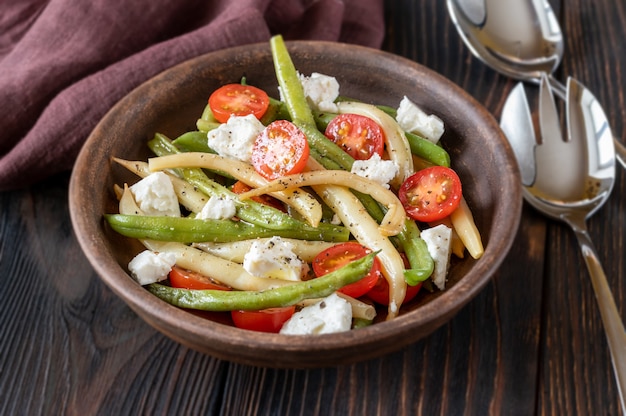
[520, 39]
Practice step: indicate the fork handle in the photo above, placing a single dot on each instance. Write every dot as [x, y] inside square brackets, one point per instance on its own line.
[613, 325]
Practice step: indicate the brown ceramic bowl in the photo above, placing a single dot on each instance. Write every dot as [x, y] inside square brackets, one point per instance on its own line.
[172, 101]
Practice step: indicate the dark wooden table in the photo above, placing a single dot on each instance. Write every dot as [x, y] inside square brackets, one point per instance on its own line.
[531, 343]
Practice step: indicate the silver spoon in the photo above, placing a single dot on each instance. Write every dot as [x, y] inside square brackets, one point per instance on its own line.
[520, 39]
[569, 181]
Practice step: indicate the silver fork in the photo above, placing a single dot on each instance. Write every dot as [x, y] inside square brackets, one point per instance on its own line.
[569, 181]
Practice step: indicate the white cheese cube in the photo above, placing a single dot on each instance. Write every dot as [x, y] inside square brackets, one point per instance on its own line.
[274, 258]
[150, 267]
[330, 315]
[376, 169]
[235, 137]
[218, 208]
[412, 119]
[320, 91]
[155, 195]
[439, 242]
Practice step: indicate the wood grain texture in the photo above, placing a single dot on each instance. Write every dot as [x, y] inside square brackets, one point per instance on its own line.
[574, 346]
[530, 343]
[68, 345]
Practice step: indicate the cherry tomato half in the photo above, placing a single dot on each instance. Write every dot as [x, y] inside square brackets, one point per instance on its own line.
[240, 187]
[281, 149]
[338, 256]
[238, 100]
[266, 320]
[380, 292]
[186, 279]
[357, 135]
[431, 194]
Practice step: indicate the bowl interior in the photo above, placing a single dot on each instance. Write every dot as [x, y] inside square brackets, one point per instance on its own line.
[170, 104]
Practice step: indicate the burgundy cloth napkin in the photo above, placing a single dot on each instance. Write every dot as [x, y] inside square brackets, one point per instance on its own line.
[64, 63]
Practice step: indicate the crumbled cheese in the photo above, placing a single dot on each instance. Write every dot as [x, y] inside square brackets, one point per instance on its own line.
[376, 169]
[330, 315]
[321, 91]
[220, 207]
[335, 220]
[412, 119]
[155, 195]
[438, 240]
[235, 137]
[393, 307]
[150, 267]
[274, 258]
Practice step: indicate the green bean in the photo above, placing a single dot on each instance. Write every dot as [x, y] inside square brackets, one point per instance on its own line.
[322, 119]
[248, 210]
[190, 230]
[291, 89]
[161, 146]
[193, 141]
[220, 300]
[361, 323]
[275, 111]
[416, 250]
[303, 117]
[414, 247]
[428, 150]
[207, 114]
[327, 163]
[325, 151]
[298, 108]
[206, 126]
[419, 146]
[326, 148]
[372, 206]
[207, 122]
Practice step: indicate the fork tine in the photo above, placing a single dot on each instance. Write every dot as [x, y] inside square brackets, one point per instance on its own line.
[549, 123]
[587, 123]
[517, 124]
[576, 128]
[559, 170]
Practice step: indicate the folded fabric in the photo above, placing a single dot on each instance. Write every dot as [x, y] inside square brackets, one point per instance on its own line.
[65, 63]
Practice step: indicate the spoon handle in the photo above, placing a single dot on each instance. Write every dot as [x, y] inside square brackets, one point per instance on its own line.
[611, 319]
[560, 91]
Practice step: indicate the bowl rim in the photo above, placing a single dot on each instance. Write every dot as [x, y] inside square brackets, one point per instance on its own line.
[339, 347]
